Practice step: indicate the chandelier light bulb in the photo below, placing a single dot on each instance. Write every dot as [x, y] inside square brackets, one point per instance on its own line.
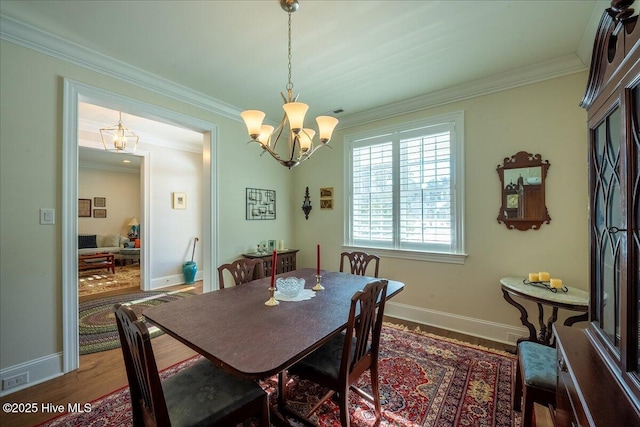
[265, 134]
[306, 136]
[326, 125]
[253, 119]
[295, 114]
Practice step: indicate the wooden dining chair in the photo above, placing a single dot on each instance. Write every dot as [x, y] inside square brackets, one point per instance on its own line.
[359, 261]
[339, 363]
[200, 394]
[242, 270]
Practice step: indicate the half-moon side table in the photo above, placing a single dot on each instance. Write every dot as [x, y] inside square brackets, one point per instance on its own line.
[574, 300]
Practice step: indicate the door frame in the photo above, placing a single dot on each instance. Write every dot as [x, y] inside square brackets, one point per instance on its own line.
[73, 93]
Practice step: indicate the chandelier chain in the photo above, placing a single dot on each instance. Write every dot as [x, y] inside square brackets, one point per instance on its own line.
[289, 84]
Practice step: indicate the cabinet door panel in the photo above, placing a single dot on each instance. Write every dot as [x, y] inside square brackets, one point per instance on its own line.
[607, 223]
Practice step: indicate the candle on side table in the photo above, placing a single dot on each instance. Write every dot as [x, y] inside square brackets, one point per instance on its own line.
[533, 277]
[543, 276]
[556, 283]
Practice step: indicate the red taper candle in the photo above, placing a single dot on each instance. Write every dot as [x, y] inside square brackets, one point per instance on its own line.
[318, 273]
[274, 265]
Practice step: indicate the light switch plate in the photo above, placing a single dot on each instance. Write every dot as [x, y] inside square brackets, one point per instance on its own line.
[47, 216]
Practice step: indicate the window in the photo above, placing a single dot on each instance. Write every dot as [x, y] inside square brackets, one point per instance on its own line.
[404, 189]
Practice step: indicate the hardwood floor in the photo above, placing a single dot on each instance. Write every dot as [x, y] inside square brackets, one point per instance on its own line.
[102, 373]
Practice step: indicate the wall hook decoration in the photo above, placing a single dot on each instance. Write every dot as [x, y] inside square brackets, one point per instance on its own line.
[306, 205]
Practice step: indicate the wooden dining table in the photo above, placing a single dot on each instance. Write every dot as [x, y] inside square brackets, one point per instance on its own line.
[234, 329]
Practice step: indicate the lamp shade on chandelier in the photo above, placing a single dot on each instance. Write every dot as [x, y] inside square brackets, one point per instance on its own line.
[118, 138]
[301, 140]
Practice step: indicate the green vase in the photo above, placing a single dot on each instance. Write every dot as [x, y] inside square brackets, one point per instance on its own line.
[189, 269]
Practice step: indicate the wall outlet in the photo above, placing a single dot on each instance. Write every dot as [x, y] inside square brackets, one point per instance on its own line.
[511, 337]
[15, 381]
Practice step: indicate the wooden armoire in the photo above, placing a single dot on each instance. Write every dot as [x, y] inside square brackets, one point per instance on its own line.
[599, 367]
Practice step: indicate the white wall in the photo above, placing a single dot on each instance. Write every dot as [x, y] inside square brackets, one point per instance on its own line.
[173, 230]
[122, 191]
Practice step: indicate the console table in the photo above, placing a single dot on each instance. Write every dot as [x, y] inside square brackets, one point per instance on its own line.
[574, 300]
[97, 261]
[286, 260]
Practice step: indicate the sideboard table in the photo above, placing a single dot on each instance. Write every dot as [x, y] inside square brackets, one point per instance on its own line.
[286, 260]
[573, 300]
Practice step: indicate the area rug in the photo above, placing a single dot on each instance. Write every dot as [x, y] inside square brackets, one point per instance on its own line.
[97, 323]
[425, 380]
[91, 282]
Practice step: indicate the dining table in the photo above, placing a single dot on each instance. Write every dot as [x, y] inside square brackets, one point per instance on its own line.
[234, 329]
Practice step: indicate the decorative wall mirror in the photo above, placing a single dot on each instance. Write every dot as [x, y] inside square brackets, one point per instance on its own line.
[522, 184]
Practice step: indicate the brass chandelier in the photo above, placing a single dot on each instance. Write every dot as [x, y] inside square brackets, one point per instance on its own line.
[118, 138]
[301, 139]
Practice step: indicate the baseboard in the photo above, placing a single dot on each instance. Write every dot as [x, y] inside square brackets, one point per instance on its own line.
[173, 280]
[38, 370]
[497, 332]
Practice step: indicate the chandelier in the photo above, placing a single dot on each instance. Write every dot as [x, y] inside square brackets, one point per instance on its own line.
[117, 137]
[301, 139]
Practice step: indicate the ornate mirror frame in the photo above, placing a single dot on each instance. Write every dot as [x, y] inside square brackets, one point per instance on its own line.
[523, 197]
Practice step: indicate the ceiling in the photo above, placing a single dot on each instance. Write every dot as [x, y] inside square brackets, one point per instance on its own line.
[354, 55]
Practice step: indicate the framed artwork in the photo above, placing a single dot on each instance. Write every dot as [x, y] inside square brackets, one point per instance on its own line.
[179, 200]
[326, 204]
[99, 213]
[84, 208]
[261, 204]
[326, 193]
[99, 202]
[272, 245]
[326, 198]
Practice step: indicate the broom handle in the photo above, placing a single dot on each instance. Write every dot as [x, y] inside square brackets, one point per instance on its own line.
[194, 248]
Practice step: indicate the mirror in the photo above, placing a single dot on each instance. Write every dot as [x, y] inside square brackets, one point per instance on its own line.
[522, 184]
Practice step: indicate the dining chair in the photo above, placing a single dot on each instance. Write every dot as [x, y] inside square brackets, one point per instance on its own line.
[242, 270]
[201, 394]
[339, 363]
[359, 261]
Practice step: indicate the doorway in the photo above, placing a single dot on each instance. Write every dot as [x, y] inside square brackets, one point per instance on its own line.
[74, 93]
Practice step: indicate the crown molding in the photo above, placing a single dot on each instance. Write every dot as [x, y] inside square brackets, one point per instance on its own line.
[570, 64]
[25, 35]
[33, 38]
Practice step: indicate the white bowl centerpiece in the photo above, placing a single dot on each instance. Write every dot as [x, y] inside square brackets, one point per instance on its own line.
[289, 286]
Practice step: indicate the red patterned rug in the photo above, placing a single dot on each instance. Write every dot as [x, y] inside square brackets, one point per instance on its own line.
[425, 380]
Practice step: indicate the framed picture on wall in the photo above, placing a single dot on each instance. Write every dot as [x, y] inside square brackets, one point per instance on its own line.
[261, 204]
[84, 208]
[99, 213]
[99, 202]
[179, 200]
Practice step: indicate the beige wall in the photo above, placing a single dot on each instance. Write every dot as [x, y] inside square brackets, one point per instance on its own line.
[122, 191]
[31, 178]
[539, 118]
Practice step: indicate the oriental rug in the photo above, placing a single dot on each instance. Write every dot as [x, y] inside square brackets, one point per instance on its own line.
[425, 380]
[97, 322]
[91, 282]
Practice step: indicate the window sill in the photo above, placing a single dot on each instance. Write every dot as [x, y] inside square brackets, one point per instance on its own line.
[447, 258]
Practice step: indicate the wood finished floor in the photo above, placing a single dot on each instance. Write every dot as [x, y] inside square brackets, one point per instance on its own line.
[101, 373]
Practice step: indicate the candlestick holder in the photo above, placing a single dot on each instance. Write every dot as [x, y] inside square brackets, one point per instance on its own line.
[318, 286]
[546, 285]
[271, 301]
